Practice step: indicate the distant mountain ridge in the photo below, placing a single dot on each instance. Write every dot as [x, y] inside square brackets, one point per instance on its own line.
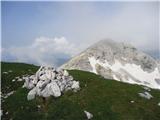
[119, 61]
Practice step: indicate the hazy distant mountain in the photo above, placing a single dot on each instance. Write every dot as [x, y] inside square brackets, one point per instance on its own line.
[119, 61]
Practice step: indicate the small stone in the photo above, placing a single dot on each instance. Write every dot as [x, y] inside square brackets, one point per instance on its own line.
[38, 106]
[75, 86]
[17, 77]
[19, 80]
[147, 88]
[88, 114]
[6, 113]
[5, 72]
[31, 94]
[10, 71]
[146, 95]
[13, 80]
[8, 94]
[65, 73]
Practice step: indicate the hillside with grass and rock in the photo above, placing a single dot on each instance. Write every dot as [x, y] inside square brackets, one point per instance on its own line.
[97, 99]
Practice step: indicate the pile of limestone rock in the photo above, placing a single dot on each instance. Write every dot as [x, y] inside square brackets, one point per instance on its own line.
[49, 82]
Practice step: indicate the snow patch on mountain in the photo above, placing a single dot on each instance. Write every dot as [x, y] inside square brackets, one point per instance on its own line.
[93, 63]
[130, 73]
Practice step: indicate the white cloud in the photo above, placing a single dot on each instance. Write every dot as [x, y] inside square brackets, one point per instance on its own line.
[133, 22]
[44, 51]
[85, 23]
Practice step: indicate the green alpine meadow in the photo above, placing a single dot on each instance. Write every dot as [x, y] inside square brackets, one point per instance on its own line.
[106, 99]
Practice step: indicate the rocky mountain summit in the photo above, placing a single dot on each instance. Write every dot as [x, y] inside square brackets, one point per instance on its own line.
[118, 61]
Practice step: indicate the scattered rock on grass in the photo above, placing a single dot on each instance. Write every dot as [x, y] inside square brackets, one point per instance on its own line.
[147, 88]
[146, 95]
[88, 114]
[8, 94]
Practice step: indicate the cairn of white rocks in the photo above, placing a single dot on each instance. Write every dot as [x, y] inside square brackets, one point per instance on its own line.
[50, 82]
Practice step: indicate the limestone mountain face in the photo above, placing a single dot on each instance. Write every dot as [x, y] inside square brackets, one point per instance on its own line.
[118, 61]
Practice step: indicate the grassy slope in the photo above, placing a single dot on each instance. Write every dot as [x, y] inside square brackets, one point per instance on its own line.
[105, 99]
[18, 69]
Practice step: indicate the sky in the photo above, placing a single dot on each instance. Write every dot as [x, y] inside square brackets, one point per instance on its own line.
[50, 33]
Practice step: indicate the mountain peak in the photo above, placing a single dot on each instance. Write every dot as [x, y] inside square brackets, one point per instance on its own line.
[119, 61]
